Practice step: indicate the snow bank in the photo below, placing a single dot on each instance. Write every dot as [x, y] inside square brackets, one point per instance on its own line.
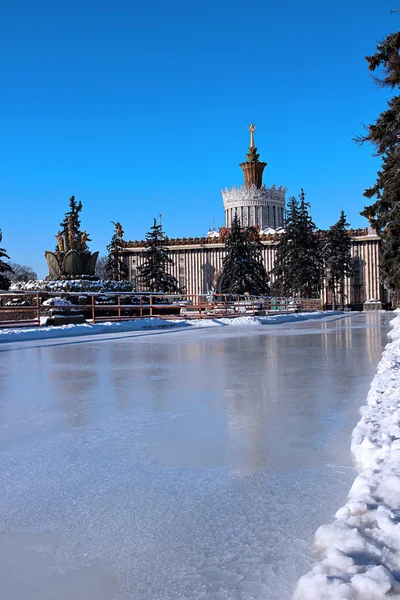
[295, 317]
[267, 320]
[361, 548]
[40, 333]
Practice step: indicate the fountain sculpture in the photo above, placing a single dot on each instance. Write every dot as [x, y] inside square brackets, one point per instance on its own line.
[72, 257]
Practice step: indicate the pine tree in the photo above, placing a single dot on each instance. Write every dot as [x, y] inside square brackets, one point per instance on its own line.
[284, 270]
[70, 236]
[115, 267]
[298, 267]
[153, 272]
[5, 268]
[337, 257]
[384, 134]
[243, 267]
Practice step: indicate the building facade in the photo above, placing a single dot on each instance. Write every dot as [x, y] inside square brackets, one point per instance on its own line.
[197, 262]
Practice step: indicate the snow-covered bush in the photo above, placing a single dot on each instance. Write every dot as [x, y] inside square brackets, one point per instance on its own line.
[72, 285]
[105, 300]
[17, 302]
[59, 305]
[57, 301]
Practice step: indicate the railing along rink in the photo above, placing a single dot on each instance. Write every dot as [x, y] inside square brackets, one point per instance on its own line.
[30, 308]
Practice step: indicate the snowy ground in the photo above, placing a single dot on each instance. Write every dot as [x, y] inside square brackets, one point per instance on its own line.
[361, 548]
[38, 333]
[192, 464]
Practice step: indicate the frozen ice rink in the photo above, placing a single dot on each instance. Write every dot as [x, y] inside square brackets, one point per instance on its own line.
[187, 464]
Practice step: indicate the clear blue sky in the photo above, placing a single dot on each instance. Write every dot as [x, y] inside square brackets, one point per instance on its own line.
[142, 107]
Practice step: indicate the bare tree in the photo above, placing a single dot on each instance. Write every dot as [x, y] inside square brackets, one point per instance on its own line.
[100, 270]
[22, 273]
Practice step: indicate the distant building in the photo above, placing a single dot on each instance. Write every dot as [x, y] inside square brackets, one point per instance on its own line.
[197, 262]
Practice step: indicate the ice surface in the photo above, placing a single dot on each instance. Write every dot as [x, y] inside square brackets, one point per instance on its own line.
[191, 464]
[361, 548]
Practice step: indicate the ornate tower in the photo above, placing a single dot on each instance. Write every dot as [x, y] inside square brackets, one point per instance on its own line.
[252, 168]
[253, 203]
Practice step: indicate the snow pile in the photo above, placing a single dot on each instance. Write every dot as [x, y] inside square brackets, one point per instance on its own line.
[62, 331]
[35, 333]
[267, 320]
[361, 548]
[223, 321]
[72, 285]
[296, 317]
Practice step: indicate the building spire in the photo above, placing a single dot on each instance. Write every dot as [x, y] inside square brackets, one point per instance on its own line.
[252, 129]
[252, 168]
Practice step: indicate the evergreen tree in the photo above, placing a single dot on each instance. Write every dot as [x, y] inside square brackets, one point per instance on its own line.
[115, 267]
[284, 270]
[243, 267]
[71, 235]
[5, 268]
[337, 257]
[298, 267]
[153, 272]
[384, 134]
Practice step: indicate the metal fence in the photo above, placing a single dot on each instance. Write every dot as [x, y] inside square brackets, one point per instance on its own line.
[21, 309]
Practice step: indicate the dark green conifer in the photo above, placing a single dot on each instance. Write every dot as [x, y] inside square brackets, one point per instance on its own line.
[243, 267]
[298, 267]
[284, 270]
[153, 273]
[384, 134]
[74, 210]
[115, 267]
[5, 268]
[337, 257]
[72, 236]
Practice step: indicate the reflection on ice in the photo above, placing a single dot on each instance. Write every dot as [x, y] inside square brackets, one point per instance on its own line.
[196, 464]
